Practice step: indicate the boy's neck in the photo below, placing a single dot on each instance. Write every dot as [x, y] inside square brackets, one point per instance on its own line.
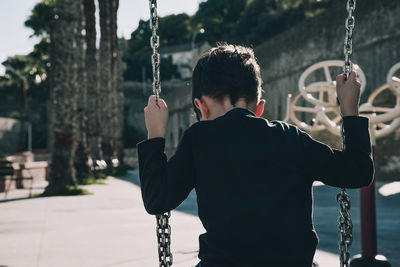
[240, 103]
[220, 109]
[211, 108]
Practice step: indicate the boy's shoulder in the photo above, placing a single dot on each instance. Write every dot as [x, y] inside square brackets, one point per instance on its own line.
[275, 125]
[286, 128]
[199, 125]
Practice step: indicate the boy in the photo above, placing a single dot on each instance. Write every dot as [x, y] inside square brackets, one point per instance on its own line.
[253, 177]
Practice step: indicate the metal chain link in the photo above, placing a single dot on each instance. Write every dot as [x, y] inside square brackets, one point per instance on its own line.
[155, 44]
[345, 225]
[163, 228]
[348, 39]
[164, 240]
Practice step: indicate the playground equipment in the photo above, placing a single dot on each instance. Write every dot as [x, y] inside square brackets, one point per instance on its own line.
[325, 109]
[322, 107]
[321, 96]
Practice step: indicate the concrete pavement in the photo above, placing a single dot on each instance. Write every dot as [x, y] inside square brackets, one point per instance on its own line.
[108, 228]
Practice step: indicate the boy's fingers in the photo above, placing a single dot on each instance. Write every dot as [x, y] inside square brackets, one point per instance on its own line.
[161, 103]
[340, 79]
[152, 99]
[353, 75]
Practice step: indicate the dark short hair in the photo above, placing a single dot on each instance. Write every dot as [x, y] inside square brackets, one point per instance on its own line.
[227, 70]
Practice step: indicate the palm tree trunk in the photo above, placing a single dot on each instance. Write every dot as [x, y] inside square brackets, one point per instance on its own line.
[64, 93]
[82, 167]
[118, 96]
[92, 83]
[106, 83]
[49, 92]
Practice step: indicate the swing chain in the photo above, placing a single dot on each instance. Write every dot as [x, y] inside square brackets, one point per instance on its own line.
[348, 40]
[345, 227]
[163, 228]
[155, 44]
[164, 240]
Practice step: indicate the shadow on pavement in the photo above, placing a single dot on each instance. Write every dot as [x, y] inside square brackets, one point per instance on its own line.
[326, 216]
[188, 206]
[387, 213]
[17, 199]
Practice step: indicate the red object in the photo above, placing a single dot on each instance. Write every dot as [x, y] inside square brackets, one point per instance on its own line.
[368, 221]
[369, 245]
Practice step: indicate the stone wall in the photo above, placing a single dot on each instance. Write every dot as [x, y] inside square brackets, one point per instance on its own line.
[376, 48]
[177, 94]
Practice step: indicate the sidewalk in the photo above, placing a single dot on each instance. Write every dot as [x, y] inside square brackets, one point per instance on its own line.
[108, 228]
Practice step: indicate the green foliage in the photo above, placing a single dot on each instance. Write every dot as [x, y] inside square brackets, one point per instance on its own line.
[219, 19]
[23, 88]
[264, 19]
[176, 30]
[41, 21]
[23, 92]
[248, 22]
[100, 175]
[67, 191]
[121, 170]
[96, 177]
[91, 179]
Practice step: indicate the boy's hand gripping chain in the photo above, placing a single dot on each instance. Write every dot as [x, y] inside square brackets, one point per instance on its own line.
[163, 227]
[345, 226]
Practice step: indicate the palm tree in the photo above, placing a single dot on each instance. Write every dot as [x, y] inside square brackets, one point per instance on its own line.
[81, 157]
[92, 83]
[17, 73]
[64, 90]
[118, 95]
[106, 98]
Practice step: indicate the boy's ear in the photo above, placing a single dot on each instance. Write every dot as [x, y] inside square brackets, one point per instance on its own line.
[203, 107]
[260, 108]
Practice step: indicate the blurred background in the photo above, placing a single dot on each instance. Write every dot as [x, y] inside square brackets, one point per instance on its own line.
[75, 76]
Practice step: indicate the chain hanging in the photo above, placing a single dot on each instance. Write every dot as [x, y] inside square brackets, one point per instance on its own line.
[164, 240]
[348, 39]
[345, 226]
[155, 44]
[163, 228]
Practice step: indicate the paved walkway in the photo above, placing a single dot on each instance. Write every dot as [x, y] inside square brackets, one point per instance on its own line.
[108, 228]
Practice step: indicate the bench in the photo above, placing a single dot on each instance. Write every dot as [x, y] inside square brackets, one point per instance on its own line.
[11, 177]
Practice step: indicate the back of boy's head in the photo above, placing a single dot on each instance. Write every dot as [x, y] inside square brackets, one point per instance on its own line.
[227, 70]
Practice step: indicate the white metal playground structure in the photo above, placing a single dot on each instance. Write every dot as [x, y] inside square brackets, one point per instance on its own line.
[325, 110]
[319, 101]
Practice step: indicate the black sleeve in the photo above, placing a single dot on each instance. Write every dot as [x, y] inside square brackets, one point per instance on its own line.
[351, 168]
[165, 184]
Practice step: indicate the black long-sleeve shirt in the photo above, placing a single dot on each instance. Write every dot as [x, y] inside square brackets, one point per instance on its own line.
[253, 180]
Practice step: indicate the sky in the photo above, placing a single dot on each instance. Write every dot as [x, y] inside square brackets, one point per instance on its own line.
[15, 37]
